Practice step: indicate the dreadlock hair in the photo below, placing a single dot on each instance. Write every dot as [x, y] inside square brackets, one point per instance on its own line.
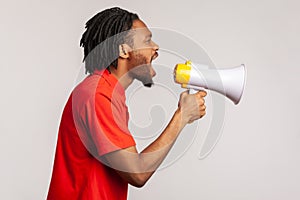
[103, 35]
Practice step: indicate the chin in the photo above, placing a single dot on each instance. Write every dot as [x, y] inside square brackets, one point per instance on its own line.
[147, 82]
[149, 85]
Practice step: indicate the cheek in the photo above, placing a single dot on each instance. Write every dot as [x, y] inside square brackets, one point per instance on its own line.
[147, 53]
[138, 59]
[141, 59]
[140, 56]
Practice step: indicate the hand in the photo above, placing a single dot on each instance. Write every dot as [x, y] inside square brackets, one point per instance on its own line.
[192, 106]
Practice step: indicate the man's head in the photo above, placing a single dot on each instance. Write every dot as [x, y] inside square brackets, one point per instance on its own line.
[116, 36]
[140, 56]
[103, 36]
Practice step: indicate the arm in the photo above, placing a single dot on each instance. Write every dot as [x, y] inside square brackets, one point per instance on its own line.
[136, 168]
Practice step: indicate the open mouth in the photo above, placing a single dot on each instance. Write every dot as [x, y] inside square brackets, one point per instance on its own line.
[154, 56]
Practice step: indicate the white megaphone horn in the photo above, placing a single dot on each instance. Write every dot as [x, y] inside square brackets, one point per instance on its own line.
[229, 82]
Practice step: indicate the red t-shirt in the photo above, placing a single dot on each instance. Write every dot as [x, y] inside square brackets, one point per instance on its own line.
[94, 122]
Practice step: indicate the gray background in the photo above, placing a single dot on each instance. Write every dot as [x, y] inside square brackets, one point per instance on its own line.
[257, 157]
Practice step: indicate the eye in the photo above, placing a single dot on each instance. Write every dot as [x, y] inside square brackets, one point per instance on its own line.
[148, 41]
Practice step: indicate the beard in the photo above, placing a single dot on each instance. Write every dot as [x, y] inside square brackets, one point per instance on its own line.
[141, 70]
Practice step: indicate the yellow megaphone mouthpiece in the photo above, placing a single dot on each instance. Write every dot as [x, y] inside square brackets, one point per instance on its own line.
[182, 73]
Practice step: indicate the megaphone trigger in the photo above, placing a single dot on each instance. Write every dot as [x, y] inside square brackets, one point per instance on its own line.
[192, 91]
[192, 88]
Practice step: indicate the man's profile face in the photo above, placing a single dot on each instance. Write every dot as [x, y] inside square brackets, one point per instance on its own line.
[144, 51]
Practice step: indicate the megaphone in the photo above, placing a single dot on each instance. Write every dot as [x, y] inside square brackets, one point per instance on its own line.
[229, 82]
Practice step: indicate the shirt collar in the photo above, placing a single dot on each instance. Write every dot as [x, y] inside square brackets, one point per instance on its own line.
[111, 79]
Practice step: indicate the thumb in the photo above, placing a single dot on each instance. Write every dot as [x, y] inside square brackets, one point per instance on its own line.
[184, 93]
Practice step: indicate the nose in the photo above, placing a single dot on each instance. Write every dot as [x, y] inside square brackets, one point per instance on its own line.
[155, 46]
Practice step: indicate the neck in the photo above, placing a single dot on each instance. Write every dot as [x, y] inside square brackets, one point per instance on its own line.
[122, 75]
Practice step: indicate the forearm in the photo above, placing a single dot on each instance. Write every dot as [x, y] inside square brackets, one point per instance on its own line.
[154, 154]
[137, 168]
[157, 150]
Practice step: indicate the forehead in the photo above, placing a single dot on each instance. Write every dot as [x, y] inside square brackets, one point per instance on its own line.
[140, 28]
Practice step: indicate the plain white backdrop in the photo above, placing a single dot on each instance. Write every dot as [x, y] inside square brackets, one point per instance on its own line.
[257, 157]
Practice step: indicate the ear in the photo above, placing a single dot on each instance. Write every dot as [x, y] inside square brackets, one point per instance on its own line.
[124, 50]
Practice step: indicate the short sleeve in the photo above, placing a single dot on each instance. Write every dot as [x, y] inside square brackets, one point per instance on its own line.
[107, 124]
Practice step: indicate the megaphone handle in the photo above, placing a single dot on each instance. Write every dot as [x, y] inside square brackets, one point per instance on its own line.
[193, 91]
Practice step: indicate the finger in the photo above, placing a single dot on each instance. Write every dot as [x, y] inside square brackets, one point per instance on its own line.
[201, 101]
[202, 93]
[202, 108]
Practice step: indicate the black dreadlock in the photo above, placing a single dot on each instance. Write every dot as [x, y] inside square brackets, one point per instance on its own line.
[104, 26]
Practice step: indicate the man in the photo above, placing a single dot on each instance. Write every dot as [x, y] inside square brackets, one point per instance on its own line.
[96, 156]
